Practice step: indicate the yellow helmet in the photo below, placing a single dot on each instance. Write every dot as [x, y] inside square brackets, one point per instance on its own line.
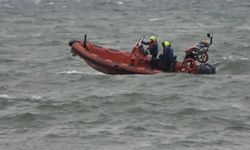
[153, 38]
[166, 43]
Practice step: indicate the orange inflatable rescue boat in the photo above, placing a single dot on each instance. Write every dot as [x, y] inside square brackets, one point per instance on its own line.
[111, 61]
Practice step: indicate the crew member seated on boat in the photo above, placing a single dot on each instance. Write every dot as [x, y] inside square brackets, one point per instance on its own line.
[166, 58]
[152, 46]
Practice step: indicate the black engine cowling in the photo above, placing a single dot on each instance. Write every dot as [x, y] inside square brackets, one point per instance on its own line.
[206, 69]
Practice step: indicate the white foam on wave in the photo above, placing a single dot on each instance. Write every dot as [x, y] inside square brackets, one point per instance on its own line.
[51, 3]
[228, 58]
[233, 59]
[36, 97]
[79, 72]
[6, 96]
[156, 19]
[37, 2]
[120, 3]
[71, 72]
[243, 58]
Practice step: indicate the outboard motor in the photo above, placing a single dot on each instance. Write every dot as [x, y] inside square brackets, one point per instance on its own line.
[206, 69]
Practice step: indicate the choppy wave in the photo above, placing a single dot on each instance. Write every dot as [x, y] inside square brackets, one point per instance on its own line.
[71, 72]
[231, 58]
[6, 96]
[86, 72]
[51, 100]
[9, 97]
[156, 19]
[232, 65]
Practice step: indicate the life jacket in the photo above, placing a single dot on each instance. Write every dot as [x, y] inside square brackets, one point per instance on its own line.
[153, 48]
[150, 45]
[168, 53]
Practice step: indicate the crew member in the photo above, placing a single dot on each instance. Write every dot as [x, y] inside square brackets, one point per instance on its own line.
[152, 46]
[167, 57]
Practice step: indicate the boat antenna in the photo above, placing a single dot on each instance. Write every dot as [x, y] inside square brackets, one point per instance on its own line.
[85, 41]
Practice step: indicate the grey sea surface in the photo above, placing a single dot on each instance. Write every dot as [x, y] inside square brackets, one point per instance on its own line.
[51, 100]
